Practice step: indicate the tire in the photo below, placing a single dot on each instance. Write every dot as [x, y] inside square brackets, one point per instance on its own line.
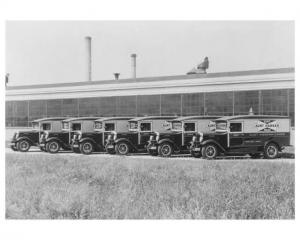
[196, 154]
[86, 148]
[14, 148]
[52, 147]
[271, 151]
[210, 151]
[165, 150]
[23, 146]
[122, 148]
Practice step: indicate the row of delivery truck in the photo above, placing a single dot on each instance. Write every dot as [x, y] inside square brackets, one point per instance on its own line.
[202, 136]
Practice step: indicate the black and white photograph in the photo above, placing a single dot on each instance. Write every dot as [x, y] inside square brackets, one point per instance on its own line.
[150, 120]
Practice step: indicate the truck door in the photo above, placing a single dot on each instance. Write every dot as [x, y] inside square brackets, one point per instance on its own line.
[145, 132]
[189, 129]
[236, 135]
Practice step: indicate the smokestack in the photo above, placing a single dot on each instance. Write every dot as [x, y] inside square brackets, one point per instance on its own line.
[133, 65]
[117, 75]
[89, 57]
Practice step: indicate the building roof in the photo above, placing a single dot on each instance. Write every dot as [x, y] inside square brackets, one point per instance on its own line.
[161, 78]
[195, 118]
[113, 118]
[153, 118]
[81, 119]
[227, 118]
[50, 119]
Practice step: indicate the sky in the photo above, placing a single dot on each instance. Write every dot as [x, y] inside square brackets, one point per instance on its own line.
[42, 52]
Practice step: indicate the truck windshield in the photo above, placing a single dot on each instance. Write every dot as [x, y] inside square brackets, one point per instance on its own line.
[133, 125]
[98, 125]
[221, 126]
[65, 125]
[176, 126]
[35, 126]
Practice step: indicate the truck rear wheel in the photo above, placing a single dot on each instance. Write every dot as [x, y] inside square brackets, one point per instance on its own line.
[23, 145]
[271, 151]
[52, 147]
[122, 148]
[165, 149]
[210, 151]
[86, 147]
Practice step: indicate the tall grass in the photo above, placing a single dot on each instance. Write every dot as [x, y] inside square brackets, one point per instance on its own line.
[59, 187]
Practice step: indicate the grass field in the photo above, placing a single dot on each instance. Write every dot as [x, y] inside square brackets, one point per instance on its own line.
[65, 187]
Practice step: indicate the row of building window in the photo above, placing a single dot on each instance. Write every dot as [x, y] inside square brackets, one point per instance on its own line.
[279, 102]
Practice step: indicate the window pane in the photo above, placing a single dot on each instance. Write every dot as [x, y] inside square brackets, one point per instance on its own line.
[189, 127]
[21, 113]
[292, 106]
[235, 127]
[89, 107]
[54, 108]
[148, 105]
[145, 126]
[192, 104]
[109, 126]
[37, 109]
[76, 126]
[171, 104]
[274, 102]
[107, 106]
[46, 126]
[219, 103]
[244, 100]
[9, 118]
[70, 107]
[126, 106]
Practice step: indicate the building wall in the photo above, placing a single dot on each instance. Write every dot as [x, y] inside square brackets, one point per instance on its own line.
[277, 101]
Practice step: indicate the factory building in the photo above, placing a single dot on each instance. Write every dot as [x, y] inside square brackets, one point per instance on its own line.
[267, 91]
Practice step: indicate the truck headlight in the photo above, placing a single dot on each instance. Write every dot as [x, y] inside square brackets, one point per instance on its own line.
[194, 139]
[151, 138]
[17, 135]
[157, 136]
[115, 136]
[201, 137]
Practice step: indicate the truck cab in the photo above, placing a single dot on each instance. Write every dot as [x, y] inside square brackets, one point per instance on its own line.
[61, 140]
[23, 140]
[94, 140]
[136, 138]
[255, 135]
[179, 139]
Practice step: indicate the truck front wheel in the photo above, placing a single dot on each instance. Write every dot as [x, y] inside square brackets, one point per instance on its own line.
[271, 151]
[210, 151]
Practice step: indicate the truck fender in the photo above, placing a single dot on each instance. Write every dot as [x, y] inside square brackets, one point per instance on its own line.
[127, 141]
[88, 139]
[214, 142]
[25, 138]
[54, 139]
[169, 141]
[272, 141]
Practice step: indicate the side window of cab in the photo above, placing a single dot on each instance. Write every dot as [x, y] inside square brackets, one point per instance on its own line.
[145, 127]
[189, 127]
[236, 126]
[46, 126]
